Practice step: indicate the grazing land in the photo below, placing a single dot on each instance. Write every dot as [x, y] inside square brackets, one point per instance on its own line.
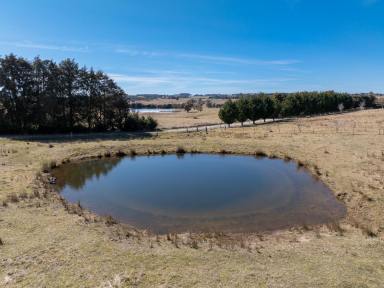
[181, 118]
[46, 242]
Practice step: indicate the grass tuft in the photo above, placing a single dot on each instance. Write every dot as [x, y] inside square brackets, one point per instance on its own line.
[13, 198]
[120, 153]
[260, 153]
[109, 220]
[194, 244]
[107, 154]
[180, 150]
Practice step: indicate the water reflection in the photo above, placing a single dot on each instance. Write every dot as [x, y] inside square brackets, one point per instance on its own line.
[75, 175]
[200, 192]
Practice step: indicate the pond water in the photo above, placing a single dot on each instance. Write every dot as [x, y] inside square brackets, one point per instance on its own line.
[154, 110]
[199, 192]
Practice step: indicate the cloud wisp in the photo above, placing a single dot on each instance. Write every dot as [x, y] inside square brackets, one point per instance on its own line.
[41, 46]
[182, 82]
[207, 58]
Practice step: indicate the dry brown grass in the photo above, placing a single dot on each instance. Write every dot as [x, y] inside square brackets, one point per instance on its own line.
[44, 245]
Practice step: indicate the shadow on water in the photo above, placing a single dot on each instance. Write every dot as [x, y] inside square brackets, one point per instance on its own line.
[200, 192]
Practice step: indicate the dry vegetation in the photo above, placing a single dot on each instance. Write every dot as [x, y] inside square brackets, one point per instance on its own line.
[46, 242]
[181, 118]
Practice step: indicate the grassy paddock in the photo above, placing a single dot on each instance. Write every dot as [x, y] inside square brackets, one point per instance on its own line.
[48, 242]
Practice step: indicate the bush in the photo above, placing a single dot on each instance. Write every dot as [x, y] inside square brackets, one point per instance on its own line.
[134, 122]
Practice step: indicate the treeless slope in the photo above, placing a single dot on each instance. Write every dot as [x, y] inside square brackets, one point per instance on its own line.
[45, 245]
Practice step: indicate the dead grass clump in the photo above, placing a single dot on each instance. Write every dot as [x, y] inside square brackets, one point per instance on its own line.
[1, 242]
[109, 220]
[13, 198]
[287, 158]
[335, 227]
[45, 167]
[5, 204]
[300, 164]
[132, 153]
[306, 227]
[369, 232]
[36, 193]
[163, 152]
[272, 156]
[23, 195]
[48, 166]
[107, 154]
[194, 244]
[51, 146]
[120, 153]
[317, 170]
[223, 151]
[260, 153]
[52, 164]
[180, 150]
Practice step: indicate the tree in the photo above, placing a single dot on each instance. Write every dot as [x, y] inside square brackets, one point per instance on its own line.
[69, 84]
[41, 96]
[267, 107]
[228, 113]
[254, 109]
[242, 110]
[188, 105]
[276, 107]
[199, 105]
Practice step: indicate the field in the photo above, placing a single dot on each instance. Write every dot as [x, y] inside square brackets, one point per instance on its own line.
[174, 101]
[181, 118]
[45, 242]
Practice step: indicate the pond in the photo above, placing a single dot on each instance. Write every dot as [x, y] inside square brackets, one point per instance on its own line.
[154, 110]
[199, 192]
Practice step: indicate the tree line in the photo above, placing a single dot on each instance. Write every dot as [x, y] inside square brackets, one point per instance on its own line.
[42, 96]
[260, 106]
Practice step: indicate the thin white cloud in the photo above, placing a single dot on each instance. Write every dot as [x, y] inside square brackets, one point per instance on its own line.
[207, 58]
[136, 52]
[41, 46]
[191, 80]
[237, 60]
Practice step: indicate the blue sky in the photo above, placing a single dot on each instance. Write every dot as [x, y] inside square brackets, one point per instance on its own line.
[222, 46]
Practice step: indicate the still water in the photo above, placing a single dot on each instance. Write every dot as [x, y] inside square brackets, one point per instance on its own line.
[199, 192]
[154, 110]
